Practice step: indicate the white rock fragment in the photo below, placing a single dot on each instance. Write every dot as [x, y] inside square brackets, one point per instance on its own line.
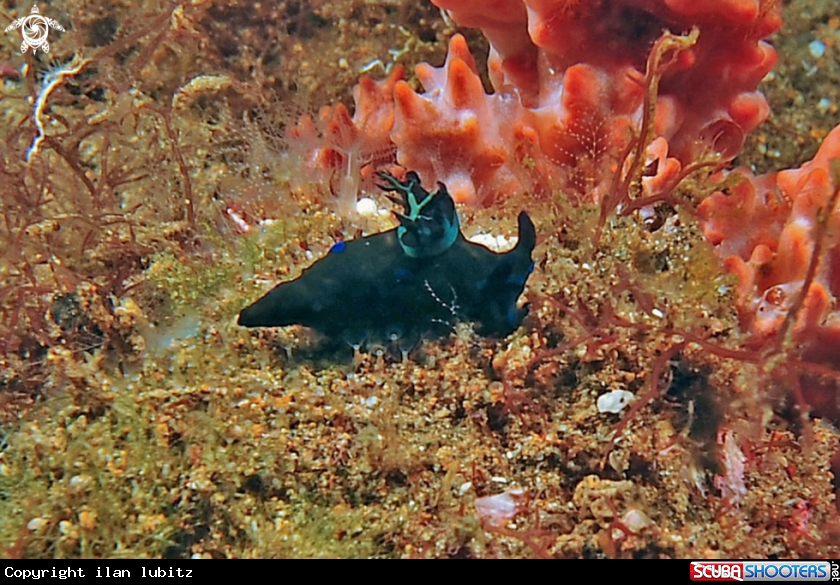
[496, 243]
[816, 48]
[614, 401]
[823, 105]
[366, 206]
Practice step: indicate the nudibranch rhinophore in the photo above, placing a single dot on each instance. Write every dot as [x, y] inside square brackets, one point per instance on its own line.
[410, 282]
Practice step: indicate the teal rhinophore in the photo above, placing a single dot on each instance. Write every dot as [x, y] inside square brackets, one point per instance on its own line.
[430, 224]
[409, 282]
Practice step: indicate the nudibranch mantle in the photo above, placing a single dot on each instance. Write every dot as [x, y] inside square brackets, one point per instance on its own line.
[412, 281]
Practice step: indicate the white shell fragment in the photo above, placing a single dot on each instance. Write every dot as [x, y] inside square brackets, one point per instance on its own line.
[500, 509]
[614, 401]
[37, 523]
[496, 243]
[636, 520]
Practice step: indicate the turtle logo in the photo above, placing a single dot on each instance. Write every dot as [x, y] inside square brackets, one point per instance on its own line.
[34, 31]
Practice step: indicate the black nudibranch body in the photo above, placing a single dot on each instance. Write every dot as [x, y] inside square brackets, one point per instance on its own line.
[413, 281]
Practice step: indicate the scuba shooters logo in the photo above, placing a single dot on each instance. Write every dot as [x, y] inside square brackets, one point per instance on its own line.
[764, 571]
[35, 29]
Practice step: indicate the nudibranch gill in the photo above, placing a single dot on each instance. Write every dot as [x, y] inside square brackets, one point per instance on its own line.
[413, 281]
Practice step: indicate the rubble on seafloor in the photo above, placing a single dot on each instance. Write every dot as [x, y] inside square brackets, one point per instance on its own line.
[629, 415]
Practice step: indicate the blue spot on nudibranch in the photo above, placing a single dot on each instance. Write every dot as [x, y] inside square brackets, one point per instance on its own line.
[512, 315]
[338, 247]
[403, 275]
[518, 279]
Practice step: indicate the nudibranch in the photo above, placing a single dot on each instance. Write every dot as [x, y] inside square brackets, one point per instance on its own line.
[410, 282]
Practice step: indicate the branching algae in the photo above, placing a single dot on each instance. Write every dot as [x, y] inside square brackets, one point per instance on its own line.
[410, 282]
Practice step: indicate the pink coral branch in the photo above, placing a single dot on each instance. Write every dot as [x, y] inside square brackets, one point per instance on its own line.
[820, 235]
